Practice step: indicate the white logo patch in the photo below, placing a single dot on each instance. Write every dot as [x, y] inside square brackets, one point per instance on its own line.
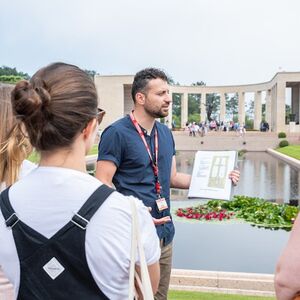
[53, 268]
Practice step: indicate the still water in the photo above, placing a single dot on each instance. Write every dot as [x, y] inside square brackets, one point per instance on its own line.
[235, 247]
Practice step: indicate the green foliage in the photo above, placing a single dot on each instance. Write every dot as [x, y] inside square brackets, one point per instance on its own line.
[172, 81]
[212, 106]
[194, 108]
[288, 113]
[199, 83]
[249, 123]
[232, 104]
[282, 135]
[241, 152]
[186, 295]
[283, 143]
[10, 78]
[34, 157]
[7, 71]
[255, 211]
[176, 109]
[194, 118]
[91, 73]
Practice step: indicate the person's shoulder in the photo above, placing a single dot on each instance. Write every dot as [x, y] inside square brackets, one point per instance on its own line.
[123, 122]
[162, 126]
[164, 129]
[118, 125]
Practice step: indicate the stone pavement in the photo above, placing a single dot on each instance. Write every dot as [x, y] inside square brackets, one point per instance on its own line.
[223, 282]
[252, 141]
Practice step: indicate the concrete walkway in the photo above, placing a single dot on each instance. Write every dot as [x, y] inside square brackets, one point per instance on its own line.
[252, 141]
[223, 282]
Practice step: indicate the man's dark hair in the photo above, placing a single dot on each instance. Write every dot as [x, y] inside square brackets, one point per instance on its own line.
[142, 78]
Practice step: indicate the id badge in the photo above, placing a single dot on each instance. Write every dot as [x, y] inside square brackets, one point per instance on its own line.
[161, 204]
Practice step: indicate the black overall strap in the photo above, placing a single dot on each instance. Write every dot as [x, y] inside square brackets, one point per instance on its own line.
[81, 218]
[41, 258]
[85, 213]
[11, 219]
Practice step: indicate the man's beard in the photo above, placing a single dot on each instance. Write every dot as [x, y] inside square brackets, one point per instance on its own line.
[156, 113]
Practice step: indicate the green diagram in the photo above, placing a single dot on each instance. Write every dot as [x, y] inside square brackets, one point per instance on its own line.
[218, 172]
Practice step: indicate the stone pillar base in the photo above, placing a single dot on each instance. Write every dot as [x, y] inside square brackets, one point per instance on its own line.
[292, 126]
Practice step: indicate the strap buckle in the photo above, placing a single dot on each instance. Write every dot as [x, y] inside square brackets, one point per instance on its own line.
[12, 220]
[80, 221]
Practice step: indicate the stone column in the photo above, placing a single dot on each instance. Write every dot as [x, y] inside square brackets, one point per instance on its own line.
[295, 102]
[273, 107]
[241, 113]
[279, 118]
[257, 110]
[222, 107]
[184, 109]
[268, 107]
[203, 107]
[170, 115]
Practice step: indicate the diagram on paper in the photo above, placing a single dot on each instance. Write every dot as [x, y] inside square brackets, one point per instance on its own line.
[218, 172]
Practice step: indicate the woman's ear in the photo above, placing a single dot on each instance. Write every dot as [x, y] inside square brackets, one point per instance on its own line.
[89, 129]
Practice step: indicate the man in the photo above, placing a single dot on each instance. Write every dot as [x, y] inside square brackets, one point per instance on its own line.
[137, 155]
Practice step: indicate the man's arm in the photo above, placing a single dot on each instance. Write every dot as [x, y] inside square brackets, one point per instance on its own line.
[183, 181]
[179, 180]
[105, 171]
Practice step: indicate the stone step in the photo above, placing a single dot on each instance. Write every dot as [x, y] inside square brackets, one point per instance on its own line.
[223, 282]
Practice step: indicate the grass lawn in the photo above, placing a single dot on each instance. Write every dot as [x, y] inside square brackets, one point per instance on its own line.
[34, 156]
[94, 150]
[184, 295]
[292, 151]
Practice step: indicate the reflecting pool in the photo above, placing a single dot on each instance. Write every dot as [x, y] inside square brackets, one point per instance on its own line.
[237, 247]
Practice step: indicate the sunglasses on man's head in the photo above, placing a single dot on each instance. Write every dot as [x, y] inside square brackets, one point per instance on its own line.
[100, 115]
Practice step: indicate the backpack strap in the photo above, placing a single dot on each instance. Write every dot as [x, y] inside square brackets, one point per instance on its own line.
[10, 216]
[89, 208]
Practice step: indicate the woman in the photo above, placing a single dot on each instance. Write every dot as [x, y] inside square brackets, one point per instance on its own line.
[14, 148]
[63, 239]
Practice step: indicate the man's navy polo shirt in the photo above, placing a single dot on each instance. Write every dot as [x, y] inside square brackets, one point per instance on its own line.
[121, 144]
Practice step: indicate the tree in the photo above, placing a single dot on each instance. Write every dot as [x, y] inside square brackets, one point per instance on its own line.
[11, 75]
[232, 104]
[194, 108]
[91, 73]
[199, 83]
[176, 109]
[212, 106]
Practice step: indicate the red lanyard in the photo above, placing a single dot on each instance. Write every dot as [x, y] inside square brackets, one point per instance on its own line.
[153, 163]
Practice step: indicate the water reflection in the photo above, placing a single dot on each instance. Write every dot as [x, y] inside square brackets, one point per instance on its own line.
[261, 176]
[236, 247]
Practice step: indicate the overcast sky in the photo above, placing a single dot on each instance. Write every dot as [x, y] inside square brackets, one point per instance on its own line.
[220, 42]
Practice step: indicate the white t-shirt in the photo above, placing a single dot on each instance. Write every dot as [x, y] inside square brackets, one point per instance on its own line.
[26, 167]
[46, 200]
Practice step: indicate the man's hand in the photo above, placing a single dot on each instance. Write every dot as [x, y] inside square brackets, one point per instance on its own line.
[161, 220]
[234, 176]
